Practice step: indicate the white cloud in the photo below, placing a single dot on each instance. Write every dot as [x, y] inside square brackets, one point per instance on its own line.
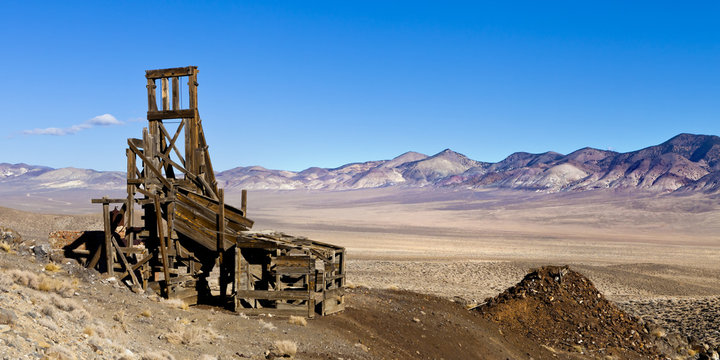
[100, 120]
[104, 120]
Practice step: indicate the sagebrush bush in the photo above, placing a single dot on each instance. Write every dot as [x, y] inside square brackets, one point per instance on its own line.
[297, 320]
[285, 348]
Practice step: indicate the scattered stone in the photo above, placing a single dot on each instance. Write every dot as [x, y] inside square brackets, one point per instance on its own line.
[41, 251]
[7, 317]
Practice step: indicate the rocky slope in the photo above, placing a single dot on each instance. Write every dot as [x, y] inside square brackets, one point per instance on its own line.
[686, 162]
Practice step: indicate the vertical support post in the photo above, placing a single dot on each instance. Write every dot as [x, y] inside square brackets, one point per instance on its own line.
[130, 206]
[175, 93]
[221, 242]
[310, 281]
[236, 278]
[165, 93]
[221, 222]
[170, 219]
[192, 89]
[152, 101]
[163, 248]
[191, 128]
[108, 239]
[243, 202]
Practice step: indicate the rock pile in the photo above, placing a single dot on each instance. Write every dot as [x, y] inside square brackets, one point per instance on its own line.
[563, 310]
[9, 236]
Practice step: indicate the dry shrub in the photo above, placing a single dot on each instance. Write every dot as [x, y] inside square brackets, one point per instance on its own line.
[285, 348]
[59, 352]
[89, 331]
[42, 283]
[176, 303]
[658, 332]
[267, 325]
[5, 282]
[80, 315]
[190, 335]
[297, 320]
[49, 311]
[4, 247]
[119, 316]
[52, 267]
[157, 355]
[357, 285]
[25, 278]
[64, 304]
[48, 323]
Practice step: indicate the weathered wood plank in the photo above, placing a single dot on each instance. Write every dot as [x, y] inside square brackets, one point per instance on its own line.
[171, 114]
[175, 93]
[152, 101]
[125, 263]
[170, 72]
[163, 249]
[165, 94]
[273, 295]
[108, 238]
[149, 165]
[108, 201]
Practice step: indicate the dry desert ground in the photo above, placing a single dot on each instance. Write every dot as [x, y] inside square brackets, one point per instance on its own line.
[654, 255]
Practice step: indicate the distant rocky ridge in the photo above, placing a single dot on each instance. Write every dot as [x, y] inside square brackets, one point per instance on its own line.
[686, 162]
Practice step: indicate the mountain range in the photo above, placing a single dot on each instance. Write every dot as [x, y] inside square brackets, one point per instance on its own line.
[686, 162]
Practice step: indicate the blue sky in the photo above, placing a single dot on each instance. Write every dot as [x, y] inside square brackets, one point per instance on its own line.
[293, 84]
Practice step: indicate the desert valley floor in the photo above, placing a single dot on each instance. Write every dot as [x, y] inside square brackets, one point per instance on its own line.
[654, 255]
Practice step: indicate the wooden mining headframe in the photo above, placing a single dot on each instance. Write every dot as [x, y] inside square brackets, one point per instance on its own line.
[175, 234]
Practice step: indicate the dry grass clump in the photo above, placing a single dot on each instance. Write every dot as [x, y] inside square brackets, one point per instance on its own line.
[267, 325]
[176, 303]
[297, 320]
[59, 352]
[42, 282]
[146, 313]
[658, 332]
[285, 348]
[48, 323]
[64, 304]
[4, 247]
[157, 355]
[357, 285]
[52, 267]
[89, 331]
[190, 335]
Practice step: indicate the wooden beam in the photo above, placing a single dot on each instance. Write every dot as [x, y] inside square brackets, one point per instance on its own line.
[221, 222]
[243, 202]
[149, 165]
[152, 101]
[165, 94]
[171, 114]
[163, 248]
[233, 214]
[272, 295]
[171, 144]
[108, 201]
[95, 258]
[170, 72]
[175, 93]
[125, 263]
[108, 239]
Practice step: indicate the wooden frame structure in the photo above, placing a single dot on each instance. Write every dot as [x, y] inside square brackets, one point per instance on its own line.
[175, 234]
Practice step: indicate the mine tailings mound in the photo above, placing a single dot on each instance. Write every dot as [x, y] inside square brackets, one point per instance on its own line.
[563, 310]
